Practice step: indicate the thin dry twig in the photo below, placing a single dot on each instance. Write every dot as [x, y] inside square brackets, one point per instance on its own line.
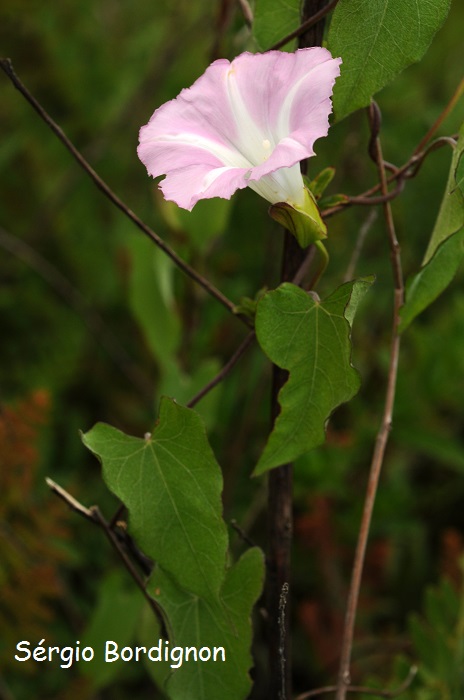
[7, 67]
[297, 279]
[234, 524]
[246, 11]
[70, 500]
[94, 515]
[304, 267]
[363, 231]
[441, 118]
[224, 371]
[304, 26]
[364, 690]
[385, 426]
[223, 20]
[401, 174]
[411, 167]
[283, 635]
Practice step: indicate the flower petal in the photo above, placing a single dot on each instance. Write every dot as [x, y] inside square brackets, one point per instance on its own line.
[239, 123]
[285, 89]
[293, 105]
[187, 186]
[283, 185]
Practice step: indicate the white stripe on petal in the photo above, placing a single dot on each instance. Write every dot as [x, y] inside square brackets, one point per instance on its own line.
[229, 156]
[212, 176]
[283, 185]
[248, 122]
[254, 144]
[283, 124]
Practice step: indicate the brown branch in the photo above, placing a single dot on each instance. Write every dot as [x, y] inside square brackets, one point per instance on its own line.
[7, 67]
[70, 501]
[364, 690]
[223, 21]
[94, 515]
[224, 371]
[304, 267]
[406, 172]
[283, 603]
[438, 122]
[115, 519]
[240, 531]
[246, 11]
[388, 197]
[304, 26]
[280, 479]
[384, 429]
[363, 231]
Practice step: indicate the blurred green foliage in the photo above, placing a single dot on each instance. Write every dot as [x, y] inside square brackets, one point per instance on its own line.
[82, 295]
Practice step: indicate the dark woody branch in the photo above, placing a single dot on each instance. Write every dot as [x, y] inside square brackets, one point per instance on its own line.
[119, 540]
[8, 69]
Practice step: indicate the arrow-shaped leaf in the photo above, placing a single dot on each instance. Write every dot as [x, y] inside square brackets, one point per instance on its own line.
[196, 622]
[310, 339]
[377, 39]
[171, 484]
[445, 250]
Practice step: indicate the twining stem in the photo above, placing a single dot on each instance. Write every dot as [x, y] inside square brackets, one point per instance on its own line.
[382, 435]
[441, 118]
[280, 524]
[246, 11]
[306, 25]
[280, 483]
[372, 692]
[324, 255]
[411, 167]
[230, 364]
[363, 231]
[7, 67]
[94, 515]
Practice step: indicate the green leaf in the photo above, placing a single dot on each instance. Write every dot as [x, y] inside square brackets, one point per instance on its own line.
[437, 638]
[432, 279]
[181, 386]
[310, 339]
[451, 215]
[460, 173]
[377, 39]
[333, 200]
[247, 306]
[445, 250]
[320, 183]
[274, 19]
[116, 593]
[194, 621]
[305, 223]
[171, 485]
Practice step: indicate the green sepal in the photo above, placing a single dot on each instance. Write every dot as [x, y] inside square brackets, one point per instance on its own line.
[305, 223]
[320, 183]
[333, 200]
[247, 305]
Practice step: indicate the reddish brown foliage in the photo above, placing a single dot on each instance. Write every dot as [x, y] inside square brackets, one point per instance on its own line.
[32, 526]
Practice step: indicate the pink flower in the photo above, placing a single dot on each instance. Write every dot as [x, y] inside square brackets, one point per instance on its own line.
[245, 123]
